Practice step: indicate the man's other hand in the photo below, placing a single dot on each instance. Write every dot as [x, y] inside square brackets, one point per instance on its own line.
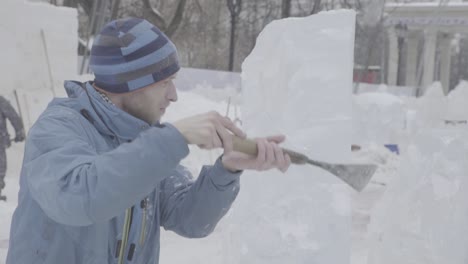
[270, 156]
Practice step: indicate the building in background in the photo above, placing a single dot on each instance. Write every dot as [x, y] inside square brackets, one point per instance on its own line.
[422, 36]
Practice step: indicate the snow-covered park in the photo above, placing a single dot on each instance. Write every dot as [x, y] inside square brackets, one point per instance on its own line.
[297, 81]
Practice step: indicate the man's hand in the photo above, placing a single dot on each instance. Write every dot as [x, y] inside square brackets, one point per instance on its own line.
[269, 156]
[209, 131]
[20, 136]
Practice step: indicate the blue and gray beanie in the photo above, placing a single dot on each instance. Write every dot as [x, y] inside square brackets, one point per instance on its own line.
[131, 53]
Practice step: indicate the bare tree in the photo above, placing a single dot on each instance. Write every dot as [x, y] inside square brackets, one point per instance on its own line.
[70, 3]
[285, 8]
[317, 7]
[154, 15]
[115, 9]
[87, 6]
[235, 7]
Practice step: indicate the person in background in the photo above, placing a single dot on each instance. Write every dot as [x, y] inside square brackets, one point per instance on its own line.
[7, 112]
[101, 173]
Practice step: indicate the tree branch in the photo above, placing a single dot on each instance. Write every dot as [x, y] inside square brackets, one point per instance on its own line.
[177, 19]
[115, 9]
[285, 8]
[87, 5]
[154, 15]
[70, 3]
[316, 7]
[346, 4]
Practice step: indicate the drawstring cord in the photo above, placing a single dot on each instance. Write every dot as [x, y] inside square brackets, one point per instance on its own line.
[128, 211]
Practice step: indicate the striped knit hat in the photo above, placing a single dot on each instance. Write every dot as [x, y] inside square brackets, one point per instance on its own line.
[131, 53]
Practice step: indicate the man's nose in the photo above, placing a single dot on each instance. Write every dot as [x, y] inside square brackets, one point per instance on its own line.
[172, 92]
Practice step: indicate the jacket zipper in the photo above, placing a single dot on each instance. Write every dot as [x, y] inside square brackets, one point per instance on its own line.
[125, 233]
[144, 206]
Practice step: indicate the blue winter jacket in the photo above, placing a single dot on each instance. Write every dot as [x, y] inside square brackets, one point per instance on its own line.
[86, 163]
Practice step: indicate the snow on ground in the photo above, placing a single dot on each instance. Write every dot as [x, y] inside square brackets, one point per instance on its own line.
[417, 212]
[378, 118]
[422, 215]
[14, 158]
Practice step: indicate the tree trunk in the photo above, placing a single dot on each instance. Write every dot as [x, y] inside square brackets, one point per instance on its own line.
[70, 3]
[232, 43]
[177, 19]
[316, 7]
[87, 6]
[285, 8]
[235, 7]
[115, 9]
[155, 17]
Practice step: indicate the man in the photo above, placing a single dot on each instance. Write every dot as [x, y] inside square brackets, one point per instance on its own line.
[7, 112]
[101, 174]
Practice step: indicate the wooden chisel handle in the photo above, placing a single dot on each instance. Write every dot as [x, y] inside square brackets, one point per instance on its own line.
[249, 146]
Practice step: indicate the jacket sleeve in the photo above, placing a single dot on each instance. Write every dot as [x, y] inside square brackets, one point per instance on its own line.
[193, 208]
[75, 185]
[10, 113]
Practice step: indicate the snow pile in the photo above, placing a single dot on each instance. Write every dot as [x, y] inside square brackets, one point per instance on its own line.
[38, 53]
[457, 101]
[395, 90]
[303, 91]
[364, 202]
[36, 37]
[427, 111]
[227, 94]
[417, 211]
[189, 78]
[423, 214]
[31, 104]
[378, 118]
[386, 160]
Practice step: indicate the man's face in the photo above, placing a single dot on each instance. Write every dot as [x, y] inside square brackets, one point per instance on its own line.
[150, 103]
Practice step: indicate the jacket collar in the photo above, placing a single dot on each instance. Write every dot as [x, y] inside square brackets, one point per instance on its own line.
[107, 118]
